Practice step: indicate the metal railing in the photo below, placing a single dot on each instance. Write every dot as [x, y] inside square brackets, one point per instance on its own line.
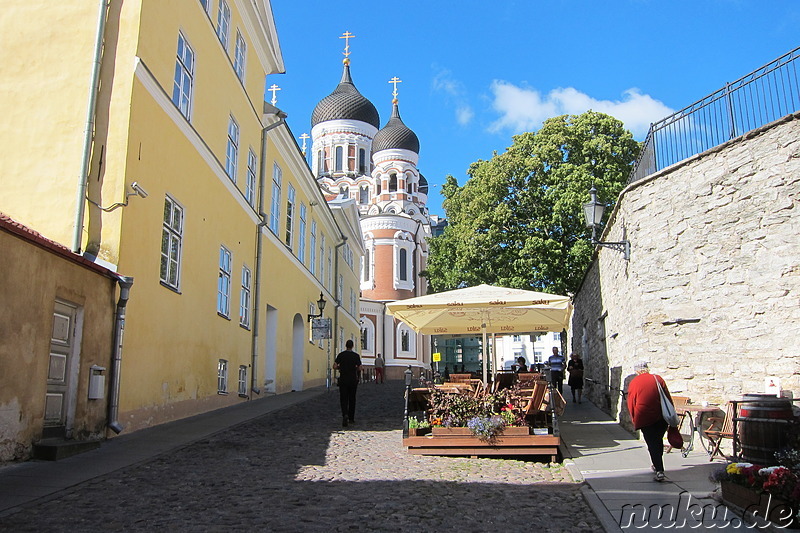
[764, 95]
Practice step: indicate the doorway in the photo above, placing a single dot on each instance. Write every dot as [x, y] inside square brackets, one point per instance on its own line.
[298, 359]
[62, 371]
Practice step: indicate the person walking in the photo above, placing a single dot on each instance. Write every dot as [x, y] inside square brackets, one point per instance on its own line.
[575, 382]
[556, 362]
[348, 363]
[379, 364]
[644, 405]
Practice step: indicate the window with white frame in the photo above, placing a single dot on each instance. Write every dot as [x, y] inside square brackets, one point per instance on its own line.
[405, 341]
[184, 78]
[290, 197]
[352, 302]
[365, 266]
[338, 158]
[223, 23]
[222, 376]
[206, 5]
[312, 248]
[322, 259]
[242, 380]
[232, 150]
[244, 298]
[368, 336]
[239, 56]
[362, 161]
[301, 235]
[340, 289]
[275, 208]
[224, 282]
[250, 186]
[341, 339]
[330, 270]
[403, 265]
[171, 243]
[320, 162]
[363, 194]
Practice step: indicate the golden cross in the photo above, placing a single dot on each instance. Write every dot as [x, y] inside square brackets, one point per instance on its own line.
[394, 81]
[274, 89]
[304, 137]
[346, 36]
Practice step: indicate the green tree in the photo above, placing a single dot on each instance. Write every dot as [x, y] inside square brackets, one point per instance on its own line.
[518, 220]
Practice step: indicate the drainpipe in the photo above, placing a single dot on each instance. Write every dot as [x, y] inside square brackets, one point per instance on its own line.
[259, 245]
[125, 284]
[88, 134]
[336, 291]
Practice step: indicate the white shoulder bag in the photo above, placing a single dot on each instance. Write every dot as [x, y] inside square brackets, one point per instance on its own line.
[667, 409]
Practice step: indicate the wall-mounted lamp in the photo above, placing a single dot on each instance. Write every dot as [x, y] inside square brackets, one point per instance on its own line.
[138, 190]
[593, 211]
[321, 306]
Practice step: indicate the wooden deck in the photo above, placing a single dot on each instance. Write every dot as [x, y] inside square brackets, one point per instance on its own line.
[461, 442]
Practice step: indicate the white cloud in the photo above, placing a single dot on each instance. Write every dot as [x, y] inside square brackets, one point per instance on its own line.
[524, 109]
[455, 95]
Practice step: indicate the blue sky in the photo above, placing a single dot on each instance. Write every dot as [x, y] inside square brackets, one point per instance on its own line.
[474, 73]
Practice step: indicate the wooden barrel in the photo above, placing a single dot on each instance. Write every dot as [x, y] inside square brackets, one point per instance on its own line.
[763, 432]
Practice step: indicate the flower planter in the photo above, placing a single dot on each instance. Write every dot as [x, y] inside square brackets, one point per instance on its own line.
[418, 432]
[461, 442]
[774, 509]
[507, 432]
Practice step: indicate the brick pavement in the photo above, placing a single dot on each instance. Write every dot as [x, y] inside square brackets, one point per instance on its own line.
[298, 470]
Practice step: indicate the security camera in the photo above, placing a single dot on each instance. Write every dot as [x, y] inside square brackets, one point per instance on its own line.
[138, 189]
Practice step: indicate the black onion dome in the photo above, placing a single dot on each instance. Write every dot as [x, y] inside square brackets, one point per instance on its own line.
[395, 135]
[423, 184]
[345, 103]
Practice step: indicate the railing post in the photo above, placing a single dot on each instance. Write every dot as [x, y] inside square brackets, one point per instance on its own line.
[729, 103]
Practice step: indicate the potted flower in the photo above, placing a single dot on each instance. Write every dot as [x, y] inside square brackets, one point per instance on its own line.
[770, 492]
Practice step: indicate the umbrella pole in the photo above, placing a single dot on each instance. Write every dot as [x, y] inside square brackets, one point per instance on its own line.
[485, 361]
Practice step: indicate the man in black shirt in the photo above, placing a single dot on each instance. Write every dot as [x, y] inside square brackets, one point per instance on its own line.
[348, 363]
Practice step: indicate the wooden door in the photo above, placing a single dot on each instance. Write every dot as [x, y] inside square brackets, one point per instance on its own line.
[58, 372]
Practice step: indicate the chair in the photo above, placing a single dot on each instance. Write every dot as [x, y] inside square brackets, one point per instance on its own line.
[532, 400]
[680, 402]
[460, 377]
[720, 428]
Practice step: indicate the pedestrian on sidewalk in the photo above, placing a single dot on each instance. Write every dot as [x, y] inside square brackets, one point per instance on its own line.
[575, 369]
[556, 362]
[644, 404]
[379, 364]
[348, 363]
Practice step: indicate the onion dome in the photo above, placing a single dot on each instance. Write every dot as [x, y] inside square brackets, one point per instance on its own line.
[395, 135]
[345, 103]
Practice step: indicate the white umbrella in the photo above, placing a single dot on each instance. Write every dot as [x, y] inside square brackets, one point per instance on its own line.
[484, 309]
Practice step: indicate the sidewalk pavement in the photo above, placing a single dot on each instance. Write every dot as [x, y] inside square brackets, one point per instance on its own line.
[615, 466]
[620, 487]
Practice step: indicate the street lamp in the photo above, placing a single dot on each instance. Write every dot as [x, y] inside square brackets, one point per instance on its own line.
[593, 212]
[408, 375]
[321, 306]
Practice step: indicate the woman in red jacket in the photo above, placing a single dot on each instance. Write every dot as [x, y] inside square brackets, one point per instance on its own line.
[644, 405]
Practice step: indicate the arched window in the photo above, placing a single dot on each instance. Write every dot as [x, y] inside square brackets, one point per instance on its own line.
[344, 190]
[362, 161]
[339, 157]
[378, 186]
[392, 182]
[405, 341]
[366, 264]
[363, 194]
[409, 188]
[320, 162]
[403, 264]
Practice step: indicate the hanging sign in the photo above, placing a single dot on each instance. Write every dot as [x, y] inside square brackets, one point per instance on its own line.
[321, 328]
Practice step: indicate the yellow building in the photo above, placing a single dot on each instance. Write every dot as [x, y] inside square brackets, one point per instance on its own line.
[136, 133]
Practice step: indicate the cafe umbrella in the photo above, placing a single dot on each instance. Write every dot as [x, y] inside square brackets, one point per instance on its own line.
[484, 309]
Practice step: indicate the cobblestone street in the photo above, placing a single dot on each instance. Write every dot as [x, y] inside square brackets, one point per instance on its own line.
[299, 470]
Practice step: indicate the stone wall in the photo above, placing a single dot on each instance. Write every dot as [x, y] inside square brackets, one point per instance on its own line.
[711, 294]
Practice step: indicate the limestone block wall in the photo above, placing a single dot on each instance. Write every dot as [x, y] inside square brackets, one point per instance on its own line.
[711, 294]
